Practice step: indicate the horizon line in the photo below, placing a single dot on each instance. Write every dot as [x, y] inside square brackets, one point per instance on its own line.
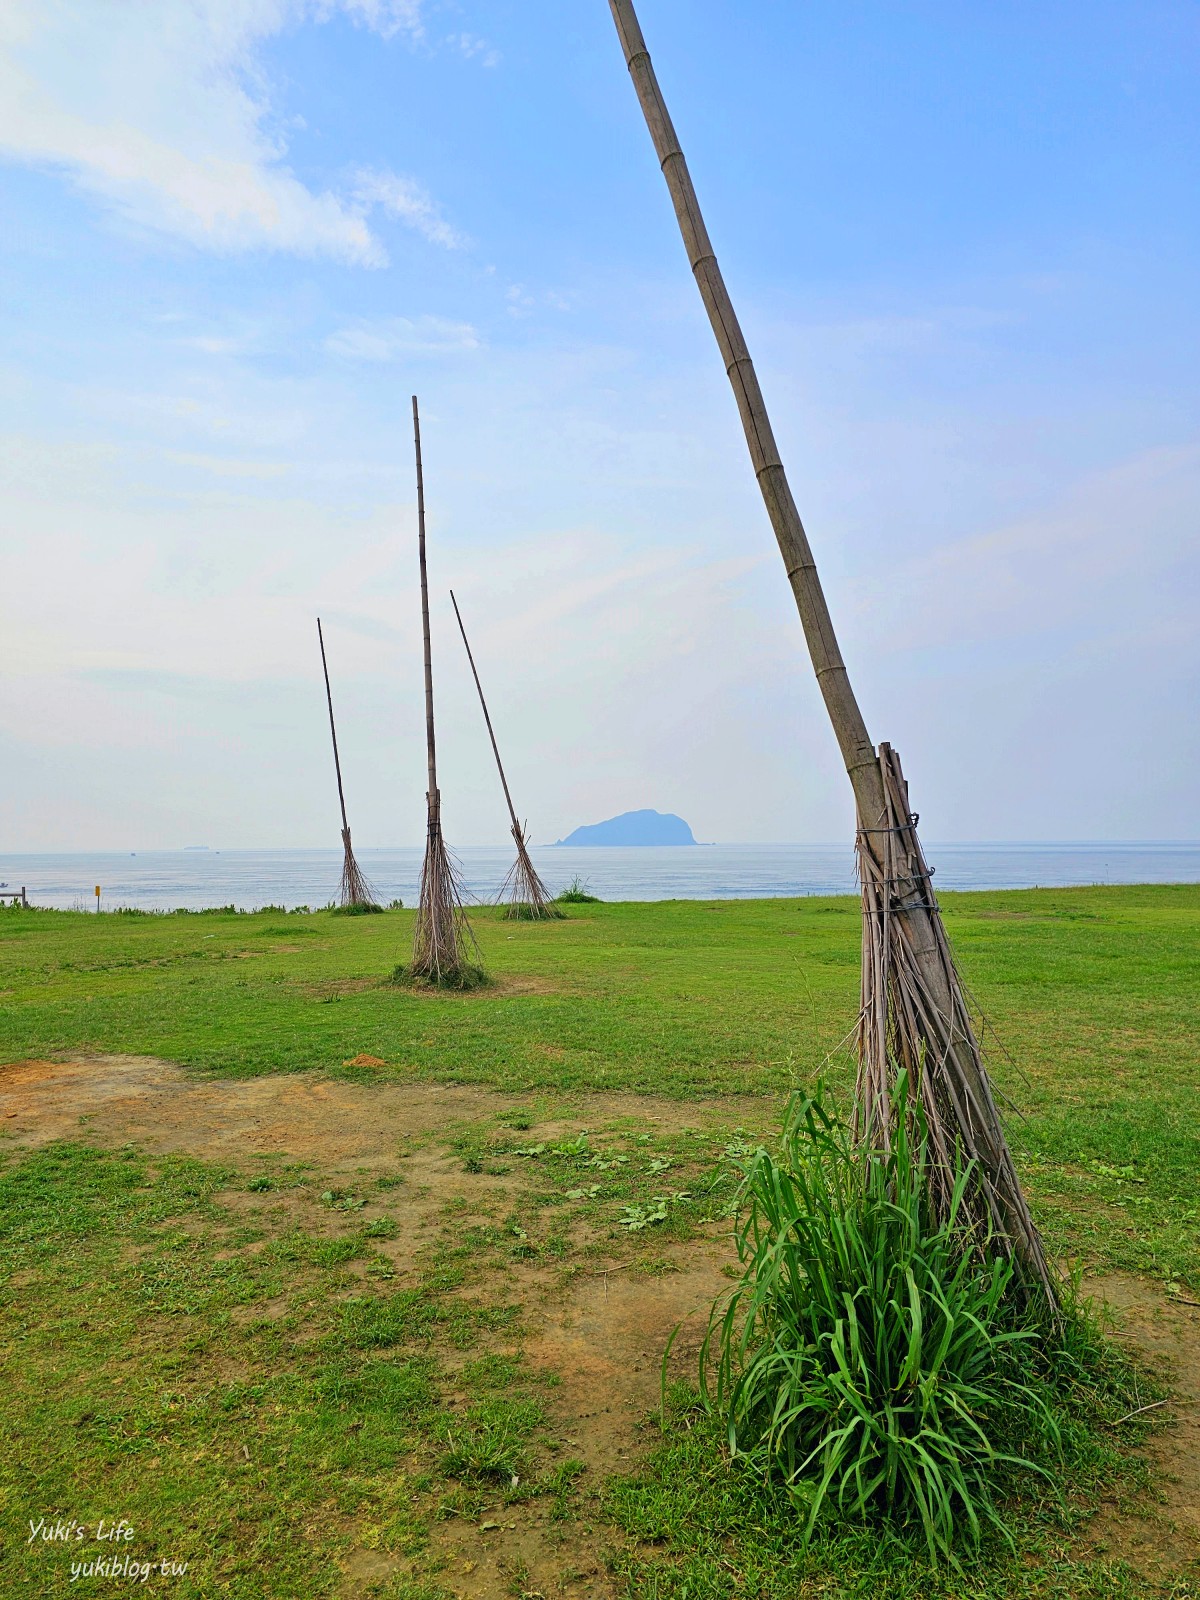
[698, 844]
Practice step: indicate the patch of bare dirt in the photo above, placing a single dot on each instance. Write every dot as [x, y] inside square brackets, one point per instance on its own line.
[599, 1330]
[1161, 1539]
[602, 1337]
[158, 1105]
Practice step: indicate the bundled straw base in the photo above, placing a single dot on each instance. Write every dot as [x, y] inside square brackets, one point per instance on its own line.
[523, 895]
[356, 892]
[914, 1019]
[444, 949]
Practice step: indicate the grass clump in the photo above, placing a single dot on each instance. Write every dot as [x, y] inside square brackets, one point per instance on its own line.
[490, 1440]
[577, 893]
[698, 1529]
[360, 908]
[875, 1364]
[454, 979]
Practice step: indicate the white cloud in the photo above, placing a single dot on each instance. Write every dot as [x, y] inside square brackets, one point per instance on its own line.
[212, 345]
[474, 48]
[158, 108]
[228, 466]
[387, 338]
[598, 521]
[1113, 551]
[386, 17]
[519, 302]
[407, 200]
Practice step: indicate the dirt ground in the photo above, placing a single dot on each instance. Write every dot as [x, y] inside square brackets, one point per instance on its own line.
[600, 1331]
[1160, 1539]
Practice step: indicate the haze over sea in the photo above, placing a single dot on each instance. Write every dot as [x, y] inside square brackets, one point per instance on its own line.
[193, 879]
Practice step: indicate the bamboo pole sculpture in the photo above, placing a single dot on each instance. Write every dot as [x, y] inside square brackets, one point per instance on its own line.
[443, 944]
[356, 893]
[523, 893]
[914, 1013]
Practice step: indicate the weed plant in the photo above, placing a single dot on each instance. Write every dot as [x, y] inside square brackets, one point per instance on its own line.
[875, 1363]
[577, 893]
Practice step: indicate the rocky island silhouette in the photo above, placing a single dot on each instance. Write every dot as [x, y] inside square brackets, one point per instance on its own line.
[633, 827]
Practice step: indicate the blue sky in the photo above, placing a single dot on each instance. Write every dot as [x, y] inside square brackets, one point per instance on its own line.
[963, 241]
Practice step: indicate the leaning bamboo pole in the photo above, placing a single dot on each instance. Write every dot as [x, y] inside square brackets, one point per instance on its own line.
[525, 895]
[443, 944]
[355, 890]
[914, 1014]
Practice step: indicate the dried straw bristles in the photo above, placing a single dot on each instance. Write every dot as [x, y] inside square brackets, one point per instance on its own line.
[356, 892]
[922, 1027]
[445, 952]
[523, 895]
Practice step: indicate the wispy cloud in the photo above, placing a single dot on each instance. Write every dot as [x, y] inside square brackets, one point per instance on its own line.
[388, 338]
[149, 680]
[163, 113]
[474, 48]
[410, 202]
[228, 466]
[1072, 567]
[386, 17]
[212, 345]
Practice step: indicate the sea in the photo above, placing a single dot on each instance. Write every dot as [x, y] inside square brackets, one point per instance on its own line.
[196, 879]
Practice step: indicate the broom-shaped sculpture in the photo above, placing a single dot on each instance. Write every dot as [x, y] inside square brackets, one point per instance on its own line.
[523, 894]
[356, 893]
[914, 1013]
[444, 948]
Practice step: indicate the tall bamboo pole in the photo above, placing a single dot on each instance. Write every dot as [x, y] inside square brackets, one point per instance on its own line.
[442, 939]
[430, 740]
[848, 725]
[332, 728]
[529, 894]
[934, 1030]
[512, 810]
[355, 890]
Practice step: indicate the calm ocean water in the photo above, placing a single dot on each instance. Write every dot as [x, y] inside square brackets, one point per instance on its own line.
[164, 880]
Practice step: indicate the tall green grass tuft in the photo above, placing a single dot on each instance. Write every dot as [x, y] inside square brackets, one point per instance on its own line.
[577, 893]
[872, 1361]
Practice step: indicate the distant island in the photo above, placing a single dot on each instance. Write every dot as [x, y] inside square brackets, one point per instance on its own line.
[633, 827]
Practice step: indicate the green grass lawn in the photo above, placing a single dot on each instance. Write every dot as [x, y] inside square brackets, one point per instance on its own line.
[221, 1385]
[244, 1360]
[232, 1361]
[1092, 998]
